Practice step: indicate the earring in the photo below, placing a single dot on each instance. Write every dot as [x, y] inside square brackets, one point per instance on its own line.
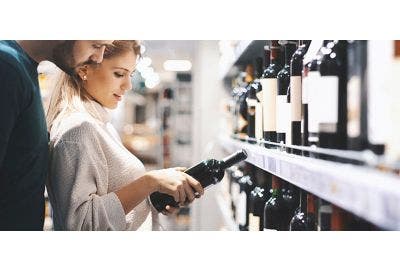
[85, 78]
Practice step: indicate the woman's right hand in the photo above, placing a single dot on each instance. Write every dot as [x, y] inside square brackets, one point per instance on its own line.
[176, 183]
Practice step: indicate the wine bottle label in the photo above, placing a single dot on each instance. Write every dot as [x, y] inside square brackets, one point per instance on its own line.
[295, 98]
[282, 114]
[304, 90]
[353, 107]
[241, 208]
[254, 222]
[259, 116]
[329, 88]
[314, 100]
[380, 54]
[270, 89]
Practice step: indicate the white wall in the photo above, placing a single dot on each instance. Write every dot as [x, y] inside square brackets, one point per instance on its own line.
[208, 93]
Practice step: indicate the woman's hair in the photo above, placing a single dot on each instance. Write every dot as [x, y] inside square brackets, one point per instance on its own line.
[69, 94]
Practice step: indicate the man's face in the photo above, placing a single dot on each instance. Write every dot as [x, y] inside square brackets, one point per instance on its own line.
[70, 54]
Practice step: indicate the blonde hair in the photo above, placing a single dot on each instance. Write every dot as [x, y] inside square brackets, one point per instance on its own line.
[69, 94]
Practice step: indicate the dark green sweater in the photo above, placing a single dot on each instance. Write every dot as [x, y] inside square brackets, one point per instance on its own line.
[23, 141]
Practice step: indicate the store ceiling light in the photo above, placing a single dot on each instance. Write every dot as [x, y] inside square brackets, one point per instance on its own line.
[177, 65]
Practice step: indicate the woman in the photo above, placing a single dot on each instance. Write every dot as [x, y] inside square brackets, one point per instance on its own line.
[94, 182]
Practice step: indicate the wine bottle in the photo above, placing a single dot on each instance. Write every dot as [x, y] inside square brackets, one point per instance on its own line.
[274, 208]
[324, 215]
[304, 218]
[312, 90]
[258, 197]
[333, 86]
[393, 145]
[298, 107]
[242, 108]
[208, 172]
[235, 189]
[290, 198]
[270, 86]
[251, 101]
[337, 219]
[357, 138]
[243, 207]
[379, 54]
[260, 95]
[282, 99]
[259, 99]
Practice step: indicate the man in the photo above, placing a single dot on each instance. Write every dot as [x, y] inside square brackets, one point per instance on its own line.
[23, 131]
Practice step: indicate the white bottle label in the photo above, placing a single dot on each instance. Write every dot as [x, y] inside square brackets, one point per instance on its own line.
[314, 101]
[259, 116]
[254, 222]
[329, 88]
[353, 107]
[270, 88]
[282, 114]
[295, 98]
[241, 208]
[304, 90]
[380, 54]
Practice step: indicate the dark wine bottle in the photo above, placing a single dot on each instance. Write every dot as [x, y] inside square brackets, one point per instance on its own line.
[290, 197]
[296, 101]
[357, 129]
[251, 101]
[274, 208]
[337, 219]
[243, 207]
[208, 172]
[270, 86]
[333, 87]
[259, 93]
[312, 88]
[283, 122]
[304, 218]
[324, 215]
[258, 198]
[259, 99]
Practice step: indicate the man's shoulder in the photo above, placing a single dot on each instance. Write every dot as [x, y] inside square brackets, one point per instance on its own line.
[9, 55]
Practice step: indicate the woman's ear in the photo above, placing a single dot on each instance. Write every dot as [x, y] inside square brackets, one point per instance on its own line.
[82, 72]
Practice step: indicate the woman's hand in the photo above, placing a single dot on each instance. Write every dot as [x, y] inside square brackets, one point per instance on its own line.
[176, 183]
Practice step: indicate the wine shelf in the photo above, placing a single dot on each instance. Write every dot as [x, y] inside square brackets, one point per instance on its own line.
[363, 190]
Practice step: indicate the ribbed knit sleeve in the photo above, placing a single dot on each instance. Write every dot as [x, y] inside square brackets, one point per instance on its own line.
[79, 185]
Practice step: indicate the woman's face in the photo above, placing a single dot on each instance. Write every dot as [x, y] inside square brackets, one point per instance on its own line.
[108, 81]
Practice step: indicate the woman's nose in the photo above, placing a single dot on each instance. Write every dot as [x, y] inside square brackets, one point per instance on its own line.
[127, 84]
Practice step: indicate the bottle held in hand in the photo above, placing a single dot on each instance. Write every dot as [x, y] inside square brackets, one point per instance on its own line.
[208, 172]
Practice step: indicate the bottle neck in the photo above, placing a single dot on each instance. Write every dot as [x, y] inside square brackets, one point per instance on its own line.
[311, 204]
[289, 51]
[275, 55]
[303, 201]
[276, 185]
[267, 58]
[232, 159]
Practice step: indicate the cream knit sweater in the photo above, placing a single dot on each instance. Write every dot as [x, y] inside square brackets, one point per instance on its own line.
[87, 164]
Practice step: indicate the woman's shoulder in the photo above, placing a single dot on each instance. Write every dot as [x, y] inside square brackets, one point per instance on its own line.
[74, 127]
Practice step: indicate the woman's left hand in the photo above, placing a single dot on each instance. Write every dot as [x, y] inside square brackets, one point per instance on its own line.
[169, 210]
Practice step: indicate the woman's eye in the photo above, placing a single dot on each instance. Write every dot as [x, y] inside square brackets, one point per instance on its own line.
[118, 75]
